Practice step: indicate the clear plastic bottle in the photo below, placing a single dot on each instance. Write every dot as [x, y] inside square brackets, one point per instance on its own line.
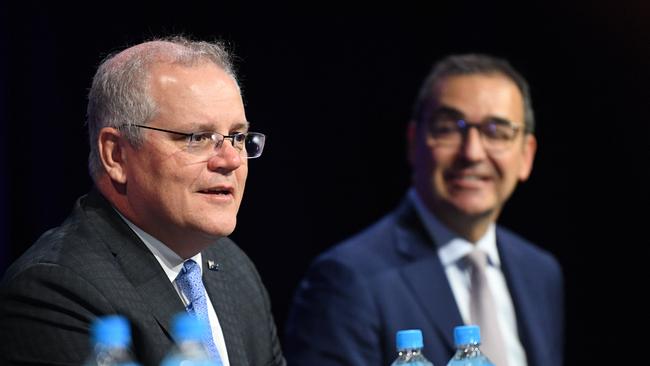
[188, 332]
[409, 348]
[111, 337]
[468, 353]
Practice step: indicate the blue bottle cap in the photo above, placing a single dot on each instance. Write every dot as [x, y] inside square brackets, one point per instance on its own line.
[111, 331]
[187, 327]
[409, 339]
[467, 334]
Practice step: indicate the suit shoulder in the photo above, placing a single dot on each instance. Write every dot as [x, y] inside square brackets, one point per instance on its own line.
[62, 246]
[368, 251]
[526, 250]
[78, 244]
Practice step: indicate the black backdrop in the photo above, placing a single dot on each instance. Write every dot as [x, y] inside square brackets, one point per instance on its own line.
[333, 92]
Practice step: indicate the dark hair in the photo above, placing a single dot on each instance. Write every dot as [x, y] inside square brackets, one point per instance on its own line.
[470, 64]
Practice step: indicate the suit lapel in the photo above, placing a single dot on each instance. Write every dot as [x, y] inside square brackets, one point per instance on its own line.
[219, 285]
[521, 285]
[138, 264]
[157, 292]
[425, 274]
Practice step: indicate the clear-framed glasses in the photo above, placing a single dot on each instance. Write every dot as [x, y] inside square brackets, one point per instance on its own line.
[496, 134]
[249, 144]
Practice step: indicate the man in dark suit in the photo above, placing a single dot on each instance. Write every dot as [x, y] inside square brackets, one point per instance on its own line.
[470, 142]
[169, 148]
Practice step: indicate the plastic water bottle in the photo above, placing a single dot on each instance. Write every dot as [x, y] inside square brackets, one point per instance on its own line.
[409, 348]
[468, 353]
[111, 337]
[188, 332]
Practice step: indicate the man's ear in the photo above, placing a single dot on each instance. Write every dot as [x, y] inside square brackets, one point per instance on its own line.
[112, 154]
[528, 156]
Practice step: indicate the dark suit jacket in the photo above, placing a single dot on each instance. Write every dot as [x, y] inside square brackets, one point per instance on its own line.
[356, 296]
[93, 265]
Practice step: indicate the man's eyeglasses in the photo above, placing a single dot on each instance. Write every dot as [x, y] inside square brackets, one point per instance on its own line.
[496, 134]
[249, 144]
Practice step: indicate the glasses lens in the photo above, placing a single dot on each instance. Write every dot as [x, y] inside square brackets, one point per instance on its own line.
[498, 135]
[250, 145]
[445, 131]
[498, 131]
[202, 142]
[254, 144]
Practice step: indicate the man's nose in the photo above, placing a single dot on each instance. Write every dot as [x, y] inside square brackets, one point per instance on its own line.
[226, 157]
[472, 146]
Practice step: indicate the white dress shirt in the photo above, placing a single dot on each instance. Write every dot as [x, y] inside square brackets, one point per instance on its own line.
[172, 264]
[451, 250]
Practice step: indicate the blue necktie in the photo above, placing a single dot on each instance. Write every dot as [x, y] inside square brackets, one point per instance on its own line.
[191, 284]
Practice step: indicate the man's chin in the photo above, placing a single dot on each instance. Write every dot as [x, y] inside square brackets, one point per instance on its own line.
[475, 212]
[472, 208]
[220, 229]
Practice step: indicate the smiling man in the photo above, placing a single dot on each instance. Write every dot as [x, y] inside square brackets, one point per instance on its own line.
[440, 260]
[169, 145]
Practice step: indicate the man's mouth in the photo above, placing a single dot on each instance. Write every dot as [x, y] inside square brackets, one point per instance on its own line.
[218, 191]
[468, 180]
[470, 177]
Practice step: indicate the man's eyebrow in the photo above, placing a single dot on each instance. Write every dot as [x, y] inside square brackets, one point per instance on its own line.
[241, 126]
[445, 109]
[502, 120]
[451, 111]
[206, 126]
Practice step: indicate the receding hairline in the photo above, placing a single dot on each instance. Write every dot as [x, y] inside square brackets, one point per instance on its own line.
[152, 52]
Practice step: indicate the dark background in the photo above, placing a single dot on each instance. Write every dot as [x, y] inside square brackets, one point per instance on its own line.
[333, 91]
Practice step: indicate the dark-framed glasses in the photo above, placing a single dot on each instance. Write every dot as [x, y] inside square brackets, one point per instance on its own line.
[496, 134]
[249, 144]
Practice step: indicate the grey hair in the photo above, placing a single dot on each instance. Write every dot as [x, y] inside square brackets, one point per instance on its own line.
[471, 64]
[119, 96]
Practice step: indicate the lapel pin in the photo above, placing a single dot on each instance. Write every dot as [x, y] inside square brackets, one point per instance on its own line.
[213, 266]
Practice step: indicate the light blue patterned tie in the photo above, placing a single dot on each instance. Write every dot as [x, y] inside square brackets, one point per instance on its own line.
[191, 284]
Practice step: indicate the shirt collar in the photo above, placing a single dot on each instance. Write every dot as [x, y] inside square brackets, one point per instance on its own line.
[170, 262]
[451, 247]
